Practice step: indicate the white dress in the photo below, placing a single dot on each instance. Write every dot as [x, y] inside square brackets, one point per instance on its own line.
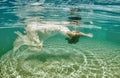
[45, 30]
[37, 33]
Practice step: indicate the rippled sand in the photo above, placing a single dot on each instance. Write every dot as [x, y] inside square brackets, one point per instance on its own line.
[87, 59]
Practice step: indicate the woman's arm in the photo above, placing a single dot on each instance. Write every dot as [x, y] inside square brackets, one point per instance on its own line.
[75, 33]
[83, 34]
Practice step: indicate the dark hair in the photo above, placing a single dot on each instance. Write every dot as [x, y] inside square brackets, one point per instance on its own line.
[73, 40]
[75, 9]
[74, 18]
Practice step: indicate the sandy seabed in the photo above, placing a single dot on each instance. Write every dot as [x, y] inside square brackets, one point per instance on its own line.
[86, 59]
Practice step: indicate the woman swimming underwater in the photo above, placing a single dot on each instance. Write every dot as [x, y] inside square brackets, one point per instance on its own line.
[37, 33]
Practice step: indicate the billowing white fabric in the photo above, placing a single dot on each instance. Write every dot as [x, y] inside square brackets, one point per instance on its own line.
[47, 28]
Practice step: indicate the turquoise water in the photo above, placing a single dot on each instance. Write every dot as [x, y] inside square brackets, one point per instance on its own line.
[97, 57]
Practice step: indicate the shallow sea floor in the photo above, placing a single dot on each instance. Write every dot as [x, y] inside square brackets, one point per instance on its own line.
[87, 59]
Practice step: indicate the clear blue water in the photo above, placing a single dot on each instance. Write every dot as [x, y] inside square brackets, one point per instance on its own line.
[97, 57]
